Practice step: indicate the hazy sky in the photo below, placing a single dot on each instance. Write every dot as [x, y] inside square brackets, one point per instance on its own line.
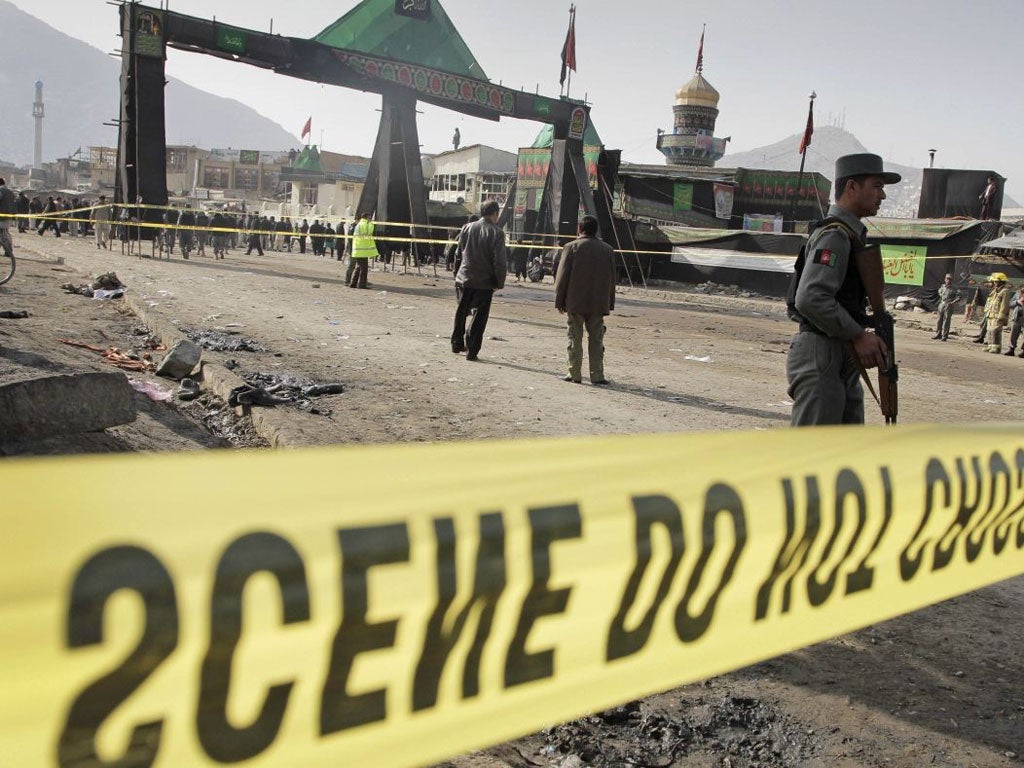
[908, 74]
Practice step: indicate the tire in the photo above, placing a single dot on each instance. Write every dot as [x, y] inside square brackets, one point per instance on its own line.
[6, 266]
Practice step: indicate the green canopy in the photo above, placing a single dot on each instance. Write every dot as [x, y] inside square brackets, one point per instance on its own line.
[309, 160]
[374, 28]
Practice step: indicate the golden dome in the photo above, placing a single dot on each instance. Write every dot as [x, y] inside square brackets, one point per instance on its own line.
[697, 93]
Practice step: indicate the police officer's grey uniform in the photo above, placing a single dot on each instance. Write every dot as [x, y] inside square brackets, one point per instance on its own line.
[824, 378]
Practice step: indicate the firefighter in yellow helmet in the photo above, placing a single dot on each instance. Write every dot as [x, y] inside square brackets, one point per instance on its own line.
[997, 311]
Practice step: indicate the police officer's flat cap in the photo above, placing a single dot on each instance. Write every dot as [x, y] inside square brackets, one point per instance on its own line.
[864, 164]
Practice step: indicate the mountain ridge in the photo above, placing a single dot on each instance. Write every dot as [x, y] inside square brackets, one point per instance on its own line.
[81, 92]
[828, 143]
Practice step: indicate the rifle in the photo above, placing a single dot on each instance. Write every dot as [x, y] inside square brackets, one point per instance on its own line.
[869, 265]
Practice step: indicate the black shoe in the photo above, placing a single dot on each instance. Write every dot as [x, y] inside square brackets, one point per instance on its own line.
[188, 390]
[978, 341]
[937, 336]
[471, 357]
[570, 378]
[458, 350]
[601, 383]
[1009, 352]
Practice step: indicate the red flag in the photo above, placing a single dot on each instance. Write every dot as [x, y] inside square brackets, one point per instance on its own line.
[700, 53]
[569, 48]
[307, 128]
[805, 142]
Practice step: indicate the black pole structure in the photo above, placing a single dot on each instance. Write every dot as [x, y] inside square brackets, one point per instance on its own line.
[803, 158]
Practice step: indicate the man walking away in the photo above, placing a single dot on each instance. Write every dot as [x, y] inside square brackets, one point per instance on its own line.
[255, 239]
[585, 291]
[949, 297]
[101, 223]
[519, 262]
[482, 272]
[24, 208]
[364, 248]
[218, 222]
[187, 224]
[202, 231]
[828, 299]
[48, 219]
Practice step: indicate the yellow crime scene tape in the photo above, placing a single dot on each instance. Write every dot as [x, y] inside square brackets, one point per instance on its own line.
[320, 608]
[537, 242]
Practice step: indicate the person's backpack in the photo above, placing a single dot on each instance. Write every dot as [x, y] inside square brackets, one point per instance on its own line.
[832, 222]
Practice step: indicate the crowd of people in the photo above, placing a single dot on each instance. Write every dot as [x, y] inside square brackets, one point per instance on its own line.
[997, 306]
[827, 297]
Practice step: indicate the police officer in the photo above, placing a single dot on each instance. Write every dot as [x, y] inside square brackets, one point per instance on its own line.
[822, 365]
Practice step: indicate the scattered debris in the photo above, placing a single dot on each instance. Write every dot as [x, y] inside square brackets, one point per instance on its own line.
[151, 389]
[743, 728]
[108, 282]
[106, 286]
[221, 420]
[216, 341]
[247, 394]
[14, 314]
[100, 293]
[270, 389]
[699, 359]
[710, 288]
[129, 361]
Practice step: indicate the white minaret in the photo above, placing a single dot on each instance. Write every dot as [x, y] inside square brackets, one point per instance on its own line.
[38, 114]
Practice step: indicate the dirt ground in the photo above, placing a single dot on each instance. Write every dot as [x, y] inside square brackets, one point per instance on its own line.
[944, 686]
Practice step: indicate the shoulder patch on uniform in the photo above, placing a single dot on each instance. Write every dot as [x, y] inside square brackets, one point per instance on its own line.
[825, 257]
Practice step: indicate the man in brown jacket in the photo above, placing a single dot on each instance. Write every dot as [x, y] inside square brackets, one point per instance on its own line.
[585, 290]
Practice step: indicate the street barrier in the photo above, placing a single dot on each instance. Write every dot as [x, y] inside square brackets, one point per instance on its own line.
[397, 605]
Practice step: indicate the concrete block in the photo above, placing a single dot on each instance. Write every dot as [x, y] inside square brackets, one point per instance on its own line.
[179, 362]
[60, 405]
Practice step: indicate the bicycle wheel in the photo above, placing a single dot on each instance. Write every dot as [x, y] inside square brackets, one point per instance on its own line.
[6, 267]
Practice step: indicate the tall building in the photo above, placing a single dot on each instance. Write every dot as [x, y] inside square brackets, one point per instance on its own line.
[38, 113]
[692, 141]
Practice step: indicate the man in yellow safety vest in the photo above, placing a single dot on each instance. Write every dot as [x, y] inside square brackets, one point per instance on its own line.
[364, 248]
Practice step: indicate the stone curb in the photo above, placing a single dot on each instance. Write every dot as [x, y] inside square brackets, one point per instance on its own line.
[268, 424]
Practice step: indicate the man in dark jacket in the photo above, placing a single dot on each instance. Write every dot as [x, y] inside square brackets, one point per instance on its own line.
[23, 211]
[187, 232]
[8, 208]
[315, 239]
[482, 272]
[49, 220]
[585, 291]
